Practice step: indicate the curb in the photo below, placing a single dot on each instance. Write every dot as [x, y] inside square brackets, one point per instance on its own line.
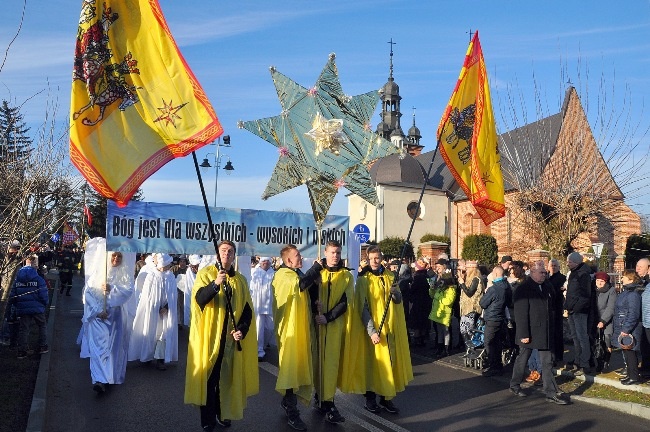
[630, 408]
[36, 418]
[605, 381]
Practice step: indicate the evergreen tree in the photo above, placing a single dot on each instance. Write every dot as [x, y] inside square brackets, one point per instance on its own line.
[15, 142]
[97, 205]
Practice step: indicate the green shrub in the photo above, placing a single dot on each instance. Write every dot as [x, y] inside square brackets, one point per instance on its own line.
[392, 247]
[482, 248]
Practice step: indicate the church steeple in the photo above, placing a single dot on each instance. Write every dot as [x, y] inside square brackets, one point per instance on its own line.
[389, 127]
[413, 138]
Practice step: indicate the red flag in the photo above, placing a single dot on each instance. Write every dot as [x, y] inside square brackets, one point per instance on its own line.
[89, 217]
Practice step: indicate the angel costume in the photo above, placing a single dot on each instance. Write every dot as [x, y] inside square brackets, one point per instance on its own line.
[155, 327]
[105, 329]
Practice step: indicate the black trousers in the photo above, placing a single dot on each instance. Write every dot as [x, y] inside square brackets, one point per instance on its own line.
[66, 280]
[519, 370]
[493, 340]
[212, 408]
[632, 362]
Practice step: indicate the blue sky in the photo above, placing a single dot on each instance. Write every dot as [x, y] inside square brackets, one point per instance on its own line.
[231, 44]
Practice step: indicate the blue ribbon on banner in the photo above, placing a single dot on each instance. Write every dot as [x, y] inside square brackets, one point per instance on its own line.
[183, 229]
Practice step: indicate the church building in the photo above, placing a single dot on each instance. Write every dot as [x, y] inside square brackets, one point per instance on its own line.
[445, 210]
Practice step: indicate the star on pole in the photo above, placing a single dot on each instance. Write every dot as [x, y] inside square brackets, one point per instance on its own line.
[324, 139]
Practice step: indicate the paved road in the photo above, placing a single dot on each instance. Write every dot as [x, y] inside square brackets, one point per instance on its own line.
[441, 398]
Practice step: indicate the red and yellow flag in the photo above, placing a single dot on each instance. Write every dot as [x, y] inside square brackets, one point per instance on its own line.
[135, 104]
[468, 140]
[69, 234]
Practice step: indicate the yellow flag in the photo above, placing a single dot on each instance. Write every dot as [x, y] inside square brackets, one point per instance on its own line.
[468, 140]
[135, 103]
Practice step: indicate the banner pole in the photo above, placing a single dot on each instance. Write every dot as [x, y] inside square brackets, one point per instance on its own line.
[229, 308]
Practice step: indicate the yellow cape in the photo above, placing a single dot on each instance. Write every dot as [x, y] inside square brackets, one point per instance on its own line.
[239, 370]
[330, 338]
[384, 368]
[293, 330]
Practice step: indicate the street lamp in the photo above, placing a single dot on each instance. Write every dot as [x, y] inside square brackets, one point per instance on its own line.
[217, 163]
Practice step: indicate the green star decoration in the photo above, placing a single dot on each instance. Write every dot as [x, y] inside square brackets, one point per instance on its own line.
[323, 170]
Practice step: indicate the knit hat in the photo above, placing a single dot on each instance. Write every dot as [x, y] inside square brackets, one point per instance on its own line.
[505, 258]
[194, 259]
[395, 263]
[602, 275]
[575, 257]
[442, 261]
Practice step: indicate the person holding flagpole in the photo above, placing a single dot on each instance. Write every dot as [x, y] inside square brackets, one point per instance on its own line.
[219, 376]
[330, 286]
[377, 363]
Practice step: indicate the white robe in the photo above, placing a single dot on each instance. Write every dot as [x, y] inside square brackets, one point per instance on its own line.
[261, 291]
[105, 341]
[132, 304]
[149, 327]
[188, 283]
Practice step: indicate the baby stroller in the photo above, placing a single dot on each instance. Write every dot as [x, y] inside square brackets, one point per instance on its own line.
[476, 355]
[510, 348]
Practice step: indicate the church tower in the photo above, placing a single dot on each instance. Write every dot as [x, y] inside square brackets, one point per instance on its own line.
[389, 127]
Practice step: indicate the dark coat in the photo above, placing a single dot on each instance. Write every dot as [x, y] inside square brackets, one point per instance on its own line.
[29, 293]
[494, 301]
[420, 301]
[533, 314]
[578, 291]
[627, 315]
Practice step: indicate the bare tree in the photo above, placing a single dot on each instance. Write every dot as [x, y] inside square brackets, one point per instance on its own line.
[570, 183]
[38, 191]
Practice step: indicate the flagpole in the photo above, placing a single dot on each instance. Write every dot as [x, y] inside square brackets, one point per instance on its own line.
[229, 308]
[408, 237]
[83, 218]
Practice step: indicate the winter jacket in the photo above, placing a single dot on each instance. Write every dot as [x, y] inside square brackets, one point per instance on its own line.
[494, 301]
[534, 315]
[578, 292]
[606, 301]
[29, 293]
[645, 308]
[443, 300]
[627, 316]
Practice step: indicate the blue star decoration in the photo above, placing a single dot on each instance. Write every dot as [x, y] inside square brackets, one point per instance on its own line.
[324, 138]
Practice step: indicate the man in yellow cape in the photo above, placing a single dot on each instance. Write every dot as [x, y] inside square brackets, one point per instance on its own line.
[330, 286]
[219, 377]
[374, 362]
[293, 330]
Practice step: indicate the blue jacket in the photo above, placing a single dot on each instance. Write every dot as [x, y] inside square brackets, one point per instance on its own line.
[29, 293]
[494, 301]
[627, 315]
[645, 307]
